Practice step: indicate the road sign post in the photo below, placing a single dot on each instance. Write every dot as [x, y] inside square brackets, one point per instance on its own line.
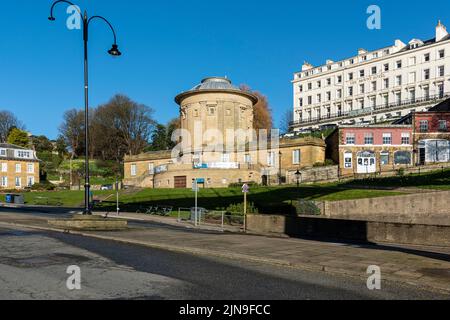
[245, 191]
[117, 197]
[195, 189]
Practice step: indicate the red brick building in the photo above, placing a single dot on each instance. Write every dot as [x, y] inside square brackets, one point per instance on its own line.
[431, 134]
[371, 149]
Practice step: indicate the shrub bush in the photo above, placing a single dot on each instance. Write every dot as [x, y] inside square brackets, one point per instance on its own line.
[43, 186]
[239, 208]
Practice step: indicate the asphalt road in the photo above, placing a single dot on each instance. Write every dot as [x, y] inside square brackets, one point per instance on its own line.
[33, 265]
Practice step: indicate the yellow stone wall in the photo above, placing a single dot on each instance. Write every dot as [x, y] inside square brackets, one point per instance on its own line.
[231, 112]
[11, 173]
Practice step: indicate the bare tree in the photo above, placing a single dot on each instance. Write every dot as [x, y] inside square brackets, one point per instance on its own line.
[286, 120]
[8, 121]
[125, 124]
[72, 130]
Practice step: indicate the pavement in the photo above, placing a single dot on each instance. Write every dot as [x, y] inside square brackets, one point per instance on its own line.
[422, 267]
[34, 264]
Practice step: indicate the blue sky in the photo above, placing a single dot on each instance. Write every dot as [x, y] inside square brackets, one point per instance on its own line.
[169, 46]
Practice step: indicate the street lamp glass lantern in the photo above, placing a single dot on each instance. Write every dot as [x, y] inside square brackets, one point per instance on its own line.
[114, 51]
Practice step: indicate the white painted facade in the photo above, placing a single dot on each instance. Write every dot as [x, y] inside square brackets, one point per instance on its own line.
[374, 87]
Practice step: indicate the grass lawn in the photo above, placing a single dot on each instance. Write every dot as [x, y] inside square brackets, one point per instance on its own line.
[266, 199]
[439, 180]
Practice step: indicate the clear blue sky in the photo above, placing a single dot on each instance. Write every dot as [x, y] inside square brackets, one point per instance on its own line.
[169, 46]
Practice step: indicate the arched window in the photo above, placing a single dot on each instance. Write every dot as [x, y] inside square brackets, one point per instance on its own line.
[402, 157]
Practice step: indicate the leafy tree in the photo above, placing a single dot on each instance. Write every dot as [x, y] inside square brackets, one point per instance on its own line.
[19, 138]
[42, 144]
[173, 125]
[8, 121]
[61, 147]
[159, 139]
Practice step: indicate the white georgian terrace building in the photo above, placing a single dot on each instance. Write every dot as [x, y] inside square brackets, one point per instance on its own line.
[374, 87]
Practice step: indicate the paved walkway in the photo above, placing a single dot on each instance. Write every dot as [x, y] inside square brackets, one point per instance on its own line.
[422, 266]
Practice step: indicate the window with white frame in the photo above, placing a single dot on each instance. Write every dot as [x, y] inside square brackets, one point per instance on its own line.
[387, 138]
[423, 125]
[412, 95]
[398, 98]
[426, 92]
[271, 159]
[30, 181]
[151, 168]
[386, 67]
[248, 158]
[18, 168]
[348, 160]
[412, 61]
[350, 138]
[406, 137]
[398, 80]
[4, 182]
[443, 125]
[133, 170]
[426, 57]
[18, 182]
[368, 138]
[374, 86]
[386, 83]
[386, 100]
[296, 157]
[441, 71]
[399, 64]
[384, 158]
[350, 91]
[30, 168]
[426, 74]
[4, 167]
[362, 88]
[441, 54]
[3, 152]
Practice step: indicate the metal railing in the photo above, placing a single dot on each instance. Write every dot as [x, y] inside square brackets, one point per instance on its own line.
[220, 219]
[372, 110]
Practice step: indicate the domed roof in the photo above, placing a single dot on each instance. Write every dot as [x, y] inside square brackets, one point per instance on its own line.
[216, 84]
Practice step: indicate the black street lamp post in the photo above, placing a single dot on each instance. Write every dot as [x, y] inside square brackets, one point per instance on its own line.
[114, 51]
